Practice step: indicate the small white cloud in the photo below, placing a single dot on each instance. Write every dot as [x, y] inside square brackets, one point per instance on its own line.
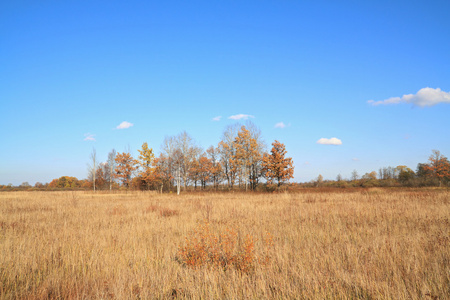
[217, 118]
[332, 141]
[89, 137]
[307, 163]
[424, 97]
[240, 117]
[124, 125]
[280, 125]
[355, 159]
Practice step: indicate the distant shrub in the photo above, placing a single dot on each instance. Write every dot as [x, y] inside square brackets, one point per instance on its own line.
[222, 250]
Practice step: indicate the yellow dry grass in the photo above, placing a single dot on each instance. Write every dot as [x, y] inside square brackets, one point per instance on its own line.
[367, 244]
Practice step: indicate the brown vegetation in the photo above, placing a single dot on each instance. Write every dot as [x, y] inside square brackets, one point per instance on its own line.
[370, 244]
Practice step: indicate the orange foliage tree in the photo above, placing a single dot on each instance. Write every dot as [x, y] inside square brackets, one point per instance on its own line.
[125, 166]
[204, 170]
[246, 156]
[100, 177]
[65, 182]
[216, 168]
[276, 165]
[438, 166]
[194, 175]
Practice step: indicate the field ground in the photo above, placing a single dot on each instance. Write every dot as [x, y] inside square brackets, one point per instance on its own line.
[368, 244]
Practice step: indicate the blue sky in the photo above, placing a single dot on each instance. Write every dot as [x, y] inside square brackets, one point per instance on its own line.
[72, 71]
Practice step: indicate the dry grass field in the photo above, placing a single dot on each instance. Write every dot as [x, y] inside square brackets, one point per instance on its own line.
[349, 244]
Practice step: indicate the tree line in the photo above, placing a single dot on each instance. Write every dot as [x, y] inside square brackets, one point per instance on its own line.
[435, 172]
[239, 161]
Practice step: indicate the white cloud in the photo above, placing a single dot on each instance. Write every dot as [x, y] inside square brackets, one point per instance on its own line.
[355, 159]
[240, 117]
[124, 125]
[217, 118]
[280, 125]
[89, 137]
[424, 97]
[332, 141]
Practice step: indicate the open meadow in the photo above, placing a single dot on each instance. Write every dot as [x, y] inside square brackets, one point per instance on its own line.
[313, 244]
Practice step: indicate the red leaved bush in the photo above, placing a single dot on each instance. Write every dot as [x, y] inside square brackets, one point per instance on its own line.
[223, 250]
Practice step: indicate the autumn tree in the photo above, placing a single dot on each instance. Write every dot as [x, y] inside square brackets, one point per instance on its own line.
[53, 184]
[245, 157]
[146, 160]
[204, 170]
[162, 174]
[39, 185]
[65, 182]
[100, 175]
[370, 176]
[137, 183]
[213, 155]
[276, 166]
[404, 174]
[25, 185]
[438, 166]
[125, 166]
[194, 172]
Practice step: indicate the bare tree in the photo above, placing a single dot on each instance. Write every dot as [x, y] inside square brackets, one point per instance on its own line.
[179, 180]
[256, 165]
[319, 180]
[387, 173]
[93, 166]
[111, 166]
[186, 146]
[213, 154]
[168, 149]
[355, 175]
[177, 161]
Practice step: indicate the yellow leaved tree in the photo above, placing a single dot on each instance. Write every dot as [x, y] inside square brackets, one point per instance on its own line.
[246, 157]
[146, 161]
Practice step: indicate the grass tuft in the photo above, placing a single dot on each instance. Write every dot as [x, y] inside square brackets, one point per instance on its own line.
[221, 249]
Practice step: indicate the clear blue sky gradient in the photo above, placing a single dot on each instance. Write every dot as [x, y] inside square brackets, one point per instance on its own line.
[72, 68]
